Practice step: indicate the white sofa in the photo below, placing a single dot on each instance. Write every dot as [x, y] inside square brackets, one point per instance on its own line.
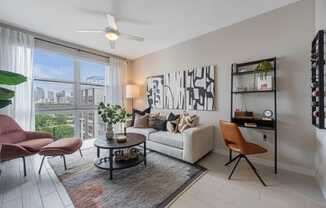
[190, 145]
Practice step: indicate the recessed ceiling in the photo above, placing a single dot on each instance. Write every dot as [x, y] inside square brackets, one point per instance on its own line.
[162, 23]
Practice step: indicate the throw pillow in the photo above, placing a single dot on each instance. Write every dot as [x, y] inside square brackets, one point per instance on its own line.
[159, 125]
[172, 123]
[141, 121]
[153, 117]
[134, 111]
[187, 122]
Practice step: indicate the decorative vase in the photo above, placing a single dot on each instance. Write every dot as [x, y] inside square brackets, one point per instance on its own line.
[109, 132]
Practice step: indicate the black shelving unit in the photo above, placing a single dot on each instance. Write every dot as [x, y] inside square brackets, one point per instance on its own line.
[260, 123]
[318, 80]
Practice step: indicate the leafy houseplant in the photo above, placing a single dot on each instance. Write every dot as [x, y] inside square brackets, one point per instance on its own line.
[112, 114]
[263, 68]
[8, 78]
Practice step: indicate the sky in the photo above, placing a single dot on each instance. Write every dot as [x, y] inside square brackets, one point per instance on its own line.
[50, 65]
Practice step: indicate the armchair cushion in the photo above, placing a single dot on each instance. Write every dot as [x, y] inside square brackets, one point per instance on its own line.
[35, 145]
[12, 137]
[37, 135]
[12, 151]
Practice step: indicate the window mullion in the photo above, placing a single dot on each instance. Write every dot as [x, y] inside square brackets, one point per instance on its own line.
[77, 96]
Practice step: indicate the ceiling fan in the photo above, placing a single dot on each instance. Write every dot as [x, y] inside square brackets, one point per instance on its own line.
[112, 33]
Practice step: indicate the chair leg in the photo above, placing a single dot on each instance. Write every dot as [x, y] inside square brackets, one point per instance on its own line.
[235, 166]
[64, 162]
[232, 160]
[80, 152]
[24, 163]
[255, 171]
[39, 170]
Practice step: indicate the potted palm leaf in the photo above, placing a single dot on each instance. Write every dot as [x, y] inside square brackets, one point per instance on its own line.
[8, 78]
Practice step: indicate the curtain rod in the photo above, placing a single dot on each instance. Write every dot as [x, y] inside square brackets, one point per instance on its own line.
[70, 47]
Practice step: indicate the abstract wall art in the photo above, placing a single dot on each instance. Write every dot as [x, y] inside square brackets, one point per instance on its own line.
[200, 88]
[155, 88]
[192, 89]
[175, 90]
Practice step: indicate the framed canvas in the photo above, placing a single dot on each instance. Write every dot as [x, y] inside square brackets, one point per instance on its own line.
[175, 90]
[155, 90]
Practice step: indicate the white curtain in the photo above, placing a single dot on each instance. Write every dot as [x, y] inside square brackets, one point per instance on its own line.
[16, 55]
[115, 81]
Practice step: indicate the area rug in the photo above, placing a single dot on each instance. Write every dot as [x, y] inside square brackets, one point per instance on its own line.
[155, 185]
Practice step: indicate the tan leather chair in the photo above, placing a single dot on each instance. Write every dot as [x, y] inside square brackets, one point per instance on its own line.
[235, 142]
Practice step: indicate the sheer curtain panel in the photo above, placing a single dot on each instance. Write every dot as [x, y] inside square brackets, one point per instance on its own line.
[16, 55]
[115, 81]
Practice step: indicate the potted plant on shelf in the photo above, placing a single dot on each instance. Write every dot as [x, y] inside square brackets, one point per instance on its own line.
[264, 81]
[8, 78]
[112, 114]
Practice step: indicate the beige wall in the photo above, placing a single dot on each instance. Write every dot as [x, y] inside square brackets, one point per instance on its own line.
[285, 33]
[321, 133]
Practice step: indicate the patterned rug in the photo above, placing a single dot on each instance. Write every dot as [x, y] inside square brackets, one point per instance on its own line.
[155, 185]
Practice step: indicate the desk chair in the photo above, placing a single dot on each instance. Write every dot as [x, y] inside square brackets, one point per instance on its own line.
[235, 142]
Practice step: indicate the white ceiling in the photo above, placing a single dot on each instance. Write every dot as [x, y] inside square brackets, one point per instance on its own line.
[162, 23]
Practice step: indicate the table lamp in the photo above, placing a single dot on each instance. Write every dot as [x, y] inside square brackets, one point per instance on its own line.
[132, 91]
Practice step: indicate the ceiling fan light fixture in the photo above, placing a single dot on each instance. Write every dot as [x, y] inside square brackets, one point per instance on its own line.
[112, 35]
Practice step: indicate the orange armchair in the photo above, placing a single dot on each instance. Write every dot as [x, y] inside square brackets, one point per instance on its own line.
[17, 143]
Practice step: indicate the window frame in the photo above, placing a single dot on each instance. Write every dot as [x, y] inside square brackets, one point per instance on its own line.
[76, 108]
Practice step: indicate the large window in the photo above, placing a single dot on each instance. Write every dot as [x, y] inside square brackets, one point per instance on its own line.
[67, 90]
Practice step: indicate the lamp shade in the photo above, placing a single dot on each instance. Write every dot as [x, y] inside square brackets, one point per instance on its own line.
[132, 91]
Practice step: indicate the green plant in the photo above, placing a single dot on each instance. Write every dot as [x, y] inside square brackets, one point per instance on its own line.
[112, 114]
[263, 68]
[8, 78]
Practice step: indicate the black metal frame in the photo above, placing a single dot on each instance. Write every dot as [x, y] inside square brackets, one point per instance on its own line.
[235, 72]
[238, 158]
[63, 157]
[317, 79]
[109, 159]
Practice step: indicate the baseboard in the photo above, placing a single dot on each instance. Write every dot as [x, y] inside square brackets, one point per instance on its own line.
[321, 184]
[270, 163]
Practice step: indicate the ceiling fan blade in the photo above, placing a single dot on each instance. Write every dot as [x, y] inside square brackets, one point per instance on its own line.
[90, 31]
[112, 44]
[111, 22]
[132, 37]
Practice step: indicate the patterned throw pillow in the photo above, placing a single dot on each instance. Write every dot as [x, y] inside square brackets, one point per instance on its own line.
[153, 117]
[172, 123]
[187, 122]
[141, 121]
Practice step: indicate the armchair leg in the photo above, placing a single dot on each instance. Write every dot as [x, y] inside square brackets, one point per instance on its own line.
[39, 170]
[64, 162]
[24, 163]
[255, 170]
[235, 166]
[232, 160]
[80, 152]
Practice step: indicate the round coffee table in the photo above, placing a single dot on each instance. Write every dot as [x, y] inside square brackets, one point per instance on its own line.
[107, 163]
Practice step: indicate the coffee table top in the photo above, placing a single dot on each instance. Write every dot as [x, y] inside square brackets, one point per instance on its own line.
[133, 139]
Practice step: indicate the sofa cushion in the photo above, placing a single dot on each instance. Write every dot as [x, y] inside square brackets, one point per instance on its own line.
[167, 138]
[35, 145]
[141, 121]
[143, 131]
[135, 111]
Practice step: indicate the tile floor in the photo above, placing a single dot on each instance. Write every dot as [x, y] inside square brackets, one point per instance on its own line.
[285, 190]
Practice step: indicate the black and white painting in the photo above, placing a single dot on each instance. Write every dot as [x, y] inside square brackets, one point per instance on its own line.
[200, 88]
[175, 90]
[155, 88]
